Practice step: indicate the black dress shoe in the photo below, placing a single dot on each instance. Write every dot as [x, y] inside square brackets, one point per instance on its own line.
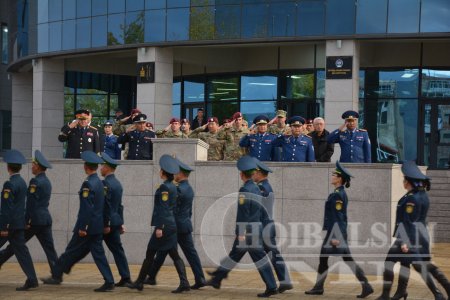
[137, 285]
[214, 283]
[366, 291]
[150, 281]
[28, 285]
[314, 291]
[268, 293]
[123, 282]
[285, 287]
[51, 280]
[198, 285]
[181, 289]
[106, 287]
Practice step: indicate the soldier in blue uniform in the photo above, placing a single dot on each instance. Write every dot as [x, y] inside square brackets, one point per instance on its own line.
[12, 217]
[335, 242]
[88, 231]
[183, 214]
[412, 241]
[113, 218]
[269, 233]
[139, 139]
[296, 147]
[354, 142]
[79, 135]
[37, 217]
[259, 144]
[164, 237]
[248, 232]
[109, 141]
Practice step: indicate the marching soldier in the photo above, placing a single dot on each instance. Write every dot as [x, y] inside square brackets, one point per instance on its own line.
[354, 142]
[79, 135]
[296, 147]
[37, 217]
[12, 217]
[259, 144]
[139, 139]
[232, 133]
[88, 231]
[171, 131]
[113, 218]
[216, 146]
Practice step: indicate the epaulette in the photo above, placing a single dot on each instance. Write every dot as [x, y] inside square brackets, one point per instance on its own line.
[308, 136]
[363, 130]
[93, 127]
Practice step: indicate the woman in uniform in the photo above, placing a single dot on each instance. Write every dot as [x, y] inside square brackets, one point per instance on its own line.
[164, 237]
[335, 242]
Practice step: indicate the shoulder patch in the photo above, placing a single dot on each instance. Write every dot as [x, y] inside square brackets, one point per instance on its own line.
[241, 199]
[308, 136]
[85, 192]
[165, 196]
[32, 188]
[6, 193]
[361, 129]
[339, 204]
[410, 207]
[92, 127]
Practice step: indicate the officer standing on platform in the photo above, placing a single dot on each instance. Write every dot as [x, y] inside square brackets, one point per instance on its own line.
[296, 147]
[232, 132]
[88, 231]
[139, 139]
[216, 146]
[248, 219]
[354, 142]
[12, 217]
[172, 131]
[37, 217]
[259, 144]
[183, 215]
[260, 177]
[79, 135]
[111, 147]
[113, 218]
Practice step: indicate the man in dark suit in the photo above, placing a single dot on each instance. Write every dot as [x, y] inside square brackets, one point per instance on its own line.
[199, 120]
[12, 217]
[322, 149]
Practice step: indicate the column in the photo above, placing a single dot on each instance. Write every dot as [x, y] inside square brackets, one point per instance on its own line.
[48, 106]
[341, 94]
[155, 99]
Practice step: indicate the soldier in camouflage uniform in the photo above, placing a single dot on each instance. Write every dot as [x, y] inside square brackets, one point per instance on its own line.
[232, 133]
[185, 127]
[216, 146]
[172, 131]
[278, 124]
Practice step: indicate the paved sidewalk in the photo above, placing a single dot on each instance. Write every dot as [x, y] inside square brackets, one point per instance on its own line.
[240, 284]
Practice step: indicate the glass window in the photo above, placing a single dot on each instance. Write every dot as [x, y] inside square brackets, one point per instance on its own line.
[223, 89]
[54, 10]
[96, 103]
[202, 2]
[155, 4]
[222, 110]
[297, 86]
[340, 17]
[371, 16]
[99, 7]
[116, 6]
[84, 33]
[178, 24]
[221, 2]
[176, 110]
[155, 25]
[55, 29]
[228, 22]
[134, 5]
[254, 20]
[42, 37]
[252, 109]
[42, 11]
[99, 31]
[68, 36]
[5, 46]
[194, 90]
[176, 92]
[392, 83]
[83, 8]
[115, 29]
[202, 23]
[258, 87]
[282, 19]
[69, 9]
[436, 83]
[311, 18]
[320, 84]
[435, 16]
[403, 16]
[178, 3]
[134, 28]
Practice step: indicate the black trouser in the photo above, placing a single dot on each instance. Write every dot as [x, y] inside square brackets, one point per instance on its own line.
[270, 247]
[45, 238]
[150, 258]
[16, 241]
[112, 240]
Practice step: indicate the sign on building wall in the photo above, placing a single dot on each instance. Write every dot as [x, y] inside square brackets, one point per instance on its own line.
[146, 72]
[339, 67]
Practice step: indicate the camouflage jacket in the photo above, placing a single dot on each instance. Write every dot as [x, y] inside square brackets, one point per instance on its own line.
[216, 146]
[232, 136]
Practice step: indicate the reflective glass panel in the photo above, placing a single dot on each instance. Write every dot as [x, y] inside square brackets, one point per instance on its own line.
[83, 8]
[4, 44]
[115, 29]
[134, 5]
[221, 110]
[320, 84]
[223, 89]
[176, 110]
[178, 3]
[340, 17]
[176, 92]
[254, 20]
[155, 4]
[42, 11]
[221, 2]
[83, 33]
[116, 6]
[258, 87]
[55, 29]
[202, 23]
[297, 86]
[403, 16]
[194, 90]
[69, 9]
[228, 22]
[252, 109]
[202, 2]
[310, 18]
[443, 137]
[99, 31]
[282, 19]
[96, 103]
[155, 25]
[68, 36]
[436, 83]
[371, 16]
[178, 24]
[435, 16]
[54, 10]
[99, 7]
[134, 28]
[392, 83]
[42, 37]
